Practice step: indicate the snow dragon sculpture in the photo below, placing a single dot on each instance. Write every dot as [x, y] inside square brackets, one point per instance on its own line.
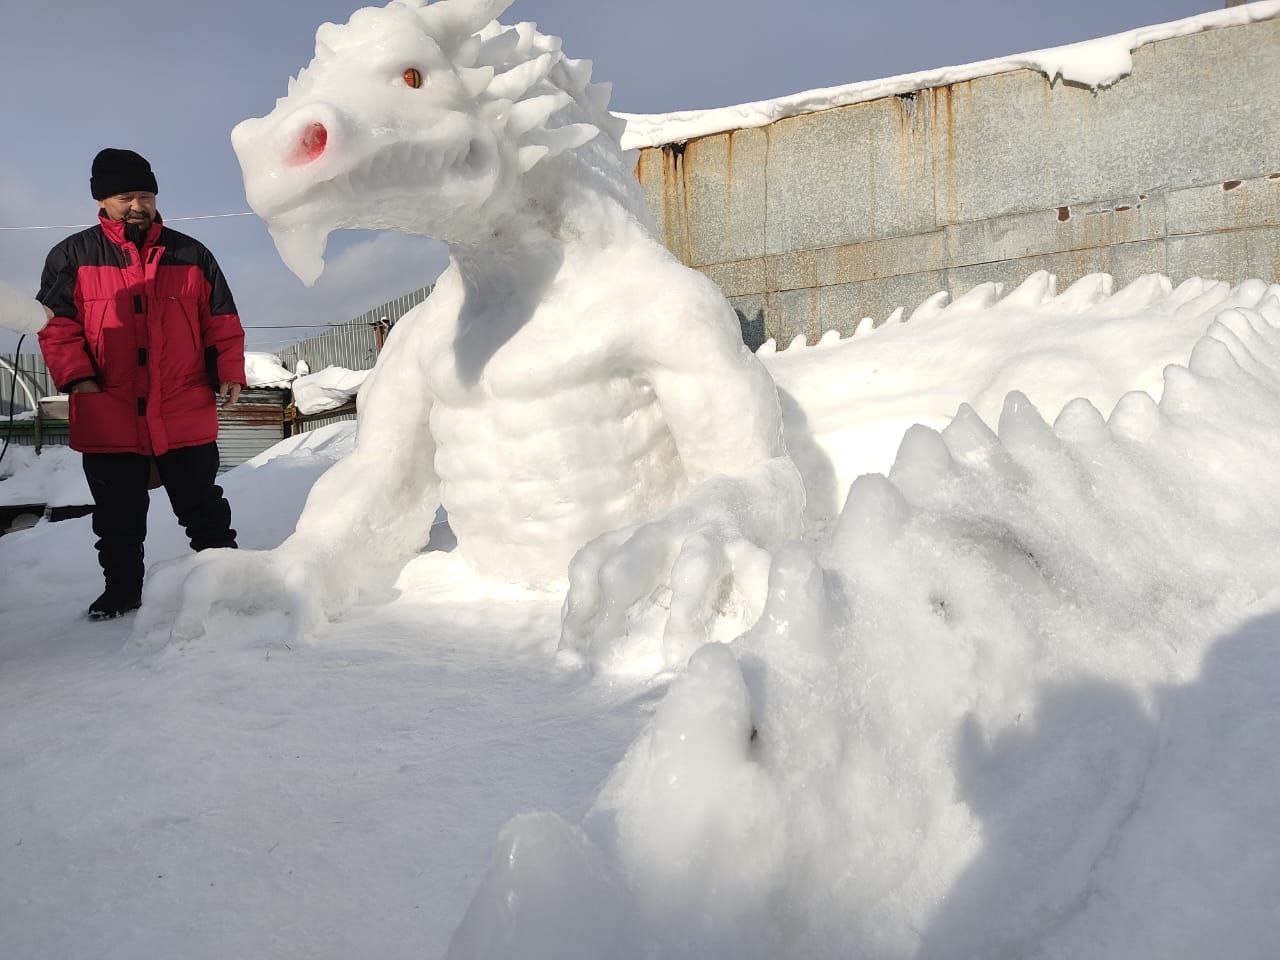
[569, 390]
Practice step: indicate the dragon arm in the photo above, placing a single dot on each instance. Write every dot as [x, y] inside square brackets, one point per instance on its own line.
[722, 408]
[372, 511]
[645, 598]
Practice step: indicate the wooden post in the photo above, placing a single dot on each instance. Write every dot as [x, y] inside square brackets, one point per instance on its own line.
[379, 334]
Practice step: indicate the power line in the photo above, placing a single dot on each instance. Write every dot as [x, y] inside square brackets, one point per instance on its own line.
[305, 326]
[78, 226]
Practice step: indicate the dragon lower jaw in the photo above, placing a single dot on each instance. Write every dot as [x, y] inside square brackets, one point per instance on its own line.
[301, 247]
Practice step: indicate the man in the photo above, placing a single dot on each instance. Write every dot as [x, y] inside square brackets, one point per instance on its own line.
[142, 333]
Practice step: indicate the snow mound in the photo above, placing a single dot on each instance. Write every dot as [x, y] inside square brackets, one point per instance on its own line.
[265, 370]
[1014, 706]
[327, 389]
[52, 477]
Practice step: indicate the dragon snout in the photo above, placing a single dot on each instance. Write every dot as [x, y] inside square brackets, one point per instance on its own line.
[309, 144]
[292, 135]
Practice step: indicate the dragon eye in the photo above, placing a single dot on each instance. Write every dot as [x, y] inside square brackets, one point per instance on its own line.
[413, 77]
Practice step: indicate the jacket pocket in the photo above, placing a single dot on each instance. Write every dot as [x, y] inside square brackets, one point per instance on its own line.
[103, 419]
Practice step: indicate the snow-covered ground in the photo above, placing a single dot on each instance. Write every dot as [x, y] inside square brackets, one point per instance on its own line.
[1024, 702]
[1005, 690]
[52, 477]
[243, 799]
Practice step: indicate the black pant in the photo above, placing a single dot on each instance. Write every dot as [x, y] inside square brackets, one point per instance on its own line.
[119, 484]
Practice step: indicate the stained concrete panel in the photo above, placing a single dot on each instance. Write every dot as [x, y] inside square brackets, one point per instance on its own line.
[1074, 227]
[1195, 109]
[739, 278]
[1226, 206]
[1233, 256]
[841, 307]
[1129, 261]
[1125, 263]
[847, 175]
[727, 175]
[660, 174]
[869, 260]
[1175, 168]
[649, 170]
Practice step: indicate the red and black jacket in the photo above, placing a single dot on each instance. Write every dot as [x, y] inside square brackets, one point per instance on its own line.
[155, 327]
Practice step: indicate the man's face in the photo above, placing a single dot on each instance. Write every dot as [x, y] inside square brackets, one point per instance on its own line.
[136, 209]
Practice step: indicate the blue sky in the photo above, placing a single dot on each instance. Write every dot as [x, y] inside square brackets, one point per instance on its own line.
[169, 78]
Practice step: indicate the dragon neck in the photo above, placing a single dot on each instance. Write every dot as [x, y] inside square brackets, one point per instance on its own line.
[577, 206]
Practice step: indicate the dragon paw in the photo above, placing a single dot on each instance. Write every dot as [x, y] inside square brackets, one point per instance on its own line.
[180, 599]
[643, 599]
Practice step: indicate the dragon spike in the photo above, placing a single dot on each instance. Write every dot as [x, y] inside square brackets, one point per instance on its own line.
[495, 111]
[577, 71]
[475, 80]
[453, 22]
[528, 114]
[930, 307]
[548, 43]
[527, 32]
[327, 36]
[560, 139]
[529, 156]
[599, 94]
[532, 42]
[497, 50]
[519, 80]
[468, 50]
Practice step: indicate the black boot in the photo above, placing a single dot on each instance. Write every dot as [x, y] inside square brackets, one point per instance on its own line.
[114, 603]
[118, 482]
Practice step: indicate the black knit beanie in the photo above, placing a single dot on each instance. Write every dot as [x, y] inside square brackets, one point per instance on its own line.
[120, 171]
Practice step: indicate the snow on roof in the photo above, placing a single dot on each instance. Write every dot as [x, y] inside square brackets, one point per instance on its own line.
[1092, 63]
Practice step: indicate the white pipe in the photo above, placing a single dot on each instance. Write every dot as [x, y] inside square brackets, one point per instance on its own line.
[21, 312]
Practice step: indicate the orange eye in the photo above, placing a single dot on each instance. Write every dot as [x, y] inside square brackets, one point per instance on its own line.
[413, 78]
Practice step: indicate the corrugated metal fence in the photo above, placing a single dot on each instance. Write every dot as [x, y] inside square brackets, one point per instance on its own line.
[33, 373]
[247, 432]
[353, 345]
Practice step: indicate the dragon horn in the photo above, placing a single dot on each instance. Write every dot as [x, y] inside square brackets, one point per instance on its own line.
[453, 21]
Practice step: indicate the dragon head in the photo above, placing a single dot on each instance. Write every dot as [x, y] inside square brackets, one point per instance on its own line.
[419, 117]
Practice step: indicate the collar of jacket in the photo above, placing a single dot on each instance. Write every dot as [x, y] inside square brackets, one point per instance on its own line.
[114, 229]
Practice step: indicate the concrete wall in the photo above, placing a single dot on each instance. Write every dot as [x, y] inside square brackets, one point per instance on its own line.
[816, 221]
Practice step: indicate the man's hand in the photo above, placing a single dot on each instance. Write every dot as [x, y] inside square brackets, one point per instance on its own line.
[87, 386]
[230, 392]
